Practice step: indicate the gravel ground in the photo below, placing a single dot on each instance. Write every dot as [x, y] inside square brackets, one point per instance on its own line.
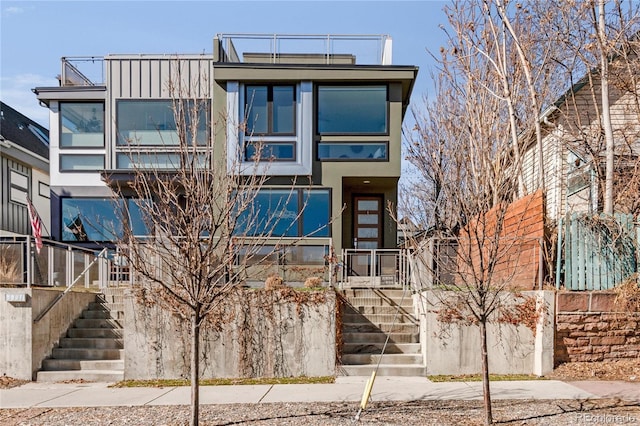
[564, 412]
[517, 412]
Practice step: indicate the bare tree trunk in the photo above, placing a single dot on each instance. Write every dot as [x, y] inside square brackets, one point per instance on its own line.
[488, 416]
[606, 110]
[195, 369]
[533, 92]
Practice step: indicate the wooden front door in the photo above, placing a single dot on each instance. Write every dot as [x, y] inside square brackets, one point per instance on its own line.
[367, 222]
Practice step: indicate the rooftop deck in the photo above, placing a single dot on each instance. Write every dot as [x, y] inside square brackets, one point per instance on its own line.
[329, 49]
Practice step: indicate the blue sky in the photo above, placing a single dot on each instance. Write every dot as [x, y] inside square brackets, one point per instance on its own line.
[36, 34]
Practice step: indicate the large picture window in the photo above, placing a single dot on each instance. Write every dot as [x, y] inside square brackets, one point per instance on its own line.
[352, 110]
[153, 122]
[97, 219]
[287, 213]
[81, 125]
[270, 109]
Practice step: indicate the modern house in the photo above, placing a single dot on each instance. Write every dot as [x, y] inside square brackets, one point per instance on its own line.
[320, 113]
[24, 171]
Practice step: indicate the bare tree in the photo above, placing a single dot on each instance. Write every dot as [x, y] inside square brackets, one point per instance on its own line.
[202, 222]
[465, 160]
[598, 60]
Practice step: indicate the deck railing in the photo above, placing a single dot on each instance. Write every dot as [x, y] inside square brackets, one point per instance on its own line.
[57, 264]
[375, 268]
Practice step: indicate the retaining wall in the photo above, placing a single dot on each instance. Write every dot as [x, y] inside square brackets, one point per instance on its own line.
[262, 333]
[590, 326]
[454, 347]
[25, 343]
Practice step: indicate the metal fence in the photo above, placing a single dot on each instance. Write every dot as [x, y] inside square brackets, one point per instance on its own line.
[505, 262]
[375, 268]
[57, 265]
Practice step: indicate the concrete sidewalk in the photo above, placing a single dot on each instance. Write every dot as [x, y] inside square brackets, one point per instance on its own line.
[344, 389]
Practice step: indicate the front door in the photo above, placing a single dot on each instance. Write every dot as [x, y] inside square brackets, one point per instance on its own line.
[367, 222]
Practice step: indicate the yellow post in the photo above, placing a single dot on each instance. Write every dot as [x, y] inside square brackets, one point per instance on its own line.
[367, 391]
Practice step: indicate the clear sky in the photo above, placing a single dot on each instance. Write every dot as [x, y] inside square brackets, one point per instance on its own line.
[36, 34]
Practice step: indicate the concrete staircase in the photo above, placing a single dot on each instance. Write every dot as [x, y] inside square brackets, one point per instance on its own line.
[92, 349]
[367, 320]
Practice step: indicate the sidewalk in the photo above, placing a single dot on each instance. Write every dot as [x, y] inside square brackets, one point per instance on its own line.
[344, 389]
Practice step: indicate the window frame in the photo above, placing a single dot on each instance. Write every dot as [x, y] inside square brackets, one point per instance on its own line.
[121, 142]
[61, 126]
[77, 155]
[246, 105]
[383, 159]
[317, 90]
[291, 143]
[18, 193]
[301, 195]
[129, 220]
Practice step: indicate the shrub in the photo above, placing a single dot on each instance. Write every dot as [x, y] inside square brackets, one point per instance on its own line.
[273, 282]
[313, 282]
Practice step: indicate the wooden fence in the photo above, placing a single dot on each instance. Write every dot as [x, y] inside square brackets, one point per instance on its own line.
[599, 252]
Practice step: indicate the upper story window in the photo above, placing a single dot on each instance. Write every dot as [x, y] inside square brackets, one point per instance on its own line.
[81, 125]
[153, 122]
[270, 109]
[357, 109]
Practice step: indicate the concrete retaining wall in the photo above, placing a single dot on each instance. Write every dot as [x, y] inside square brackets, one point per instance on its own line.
[25, 344]
[266, 334]
[454, 347]
[590, 327]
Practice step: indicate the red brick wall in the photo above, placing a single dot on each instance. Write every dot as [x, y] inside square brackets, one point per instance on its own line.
[589, 327]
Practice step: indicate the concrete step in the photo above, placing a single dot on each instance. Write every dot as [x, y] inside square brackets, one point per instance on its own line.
[95, 333]
[91, 343]
[356, 302]
[358, 305]
[84, 353]
[96, 323]
[383, 370]
[387, 359]
[82, 364]
[110, 298]
[380, 337]
[384, 327]
[103, 306]
[99, 315]
[376, 348]
[85, 375]
[385, 310]
[378, 318]
[376, 292]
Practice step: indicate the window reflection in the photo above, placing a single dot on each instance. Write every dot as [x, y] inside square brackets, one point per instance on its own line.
[81, 125]
[352, 109]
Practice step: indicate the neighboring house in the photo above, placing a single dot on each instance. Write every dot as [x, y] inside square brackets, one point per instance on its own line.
[320, 114]
[573, 147]
[24, 171]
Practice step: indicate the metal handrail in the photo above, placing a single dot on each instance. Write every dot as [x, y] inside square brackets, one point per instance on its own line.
[68, 289]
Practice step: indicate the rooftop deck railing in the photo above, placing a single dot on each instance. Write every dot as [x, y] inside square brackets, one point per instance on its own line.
[365, 49]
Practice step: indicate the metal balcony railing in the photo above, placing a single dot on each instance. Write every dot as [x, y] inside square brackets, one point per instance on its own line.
[316, 48]
[375, 268]
[58, 265]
